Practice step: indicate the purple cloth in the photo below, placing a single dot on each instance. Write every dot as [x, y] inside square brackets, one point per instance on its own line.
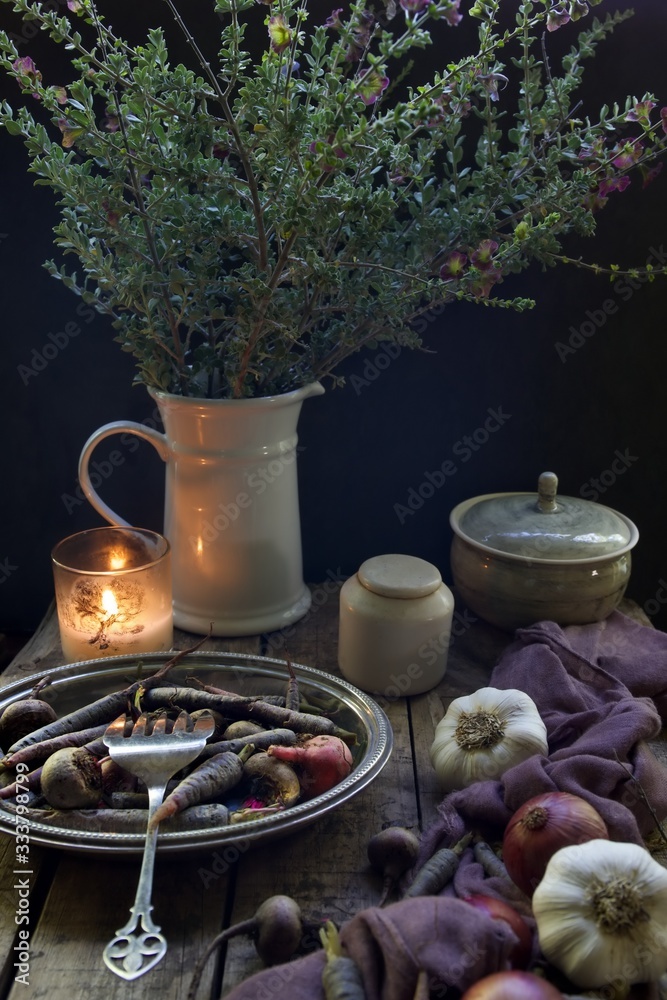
[602, 692]
[453, 943]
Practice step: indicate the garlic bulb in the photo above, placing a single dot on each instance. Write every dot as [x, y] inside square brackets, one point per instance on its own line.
[601, 913]
[484, 734]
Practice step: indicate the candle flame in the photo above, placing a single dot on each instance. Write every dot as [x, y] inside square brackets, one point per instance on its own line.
[109, 603]
[117, 559]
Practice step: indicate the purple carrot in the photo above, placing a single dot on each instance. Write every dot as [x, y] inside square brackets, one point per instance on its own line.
[211, 779]
[29, 782]
[259, 711]
[206, 817]
[292, 696]
[40, 751]
[260, 741]
[270, 699]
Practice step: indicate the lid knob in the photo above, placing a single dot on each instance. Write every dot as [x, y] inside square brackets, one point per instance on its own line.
[547, 488]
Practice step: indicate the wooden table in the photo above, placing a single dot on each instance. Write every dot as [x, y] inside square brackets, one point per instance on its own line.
[77, 902]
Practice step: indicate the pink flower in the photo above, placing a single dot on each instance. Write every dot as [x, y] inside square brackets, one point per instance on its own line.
[482, 258]
[372, 86]
[578, 9]
[70, 133]
[650, 173]
[491, 83]
[595, 150]
[557, 17]
[610, 184]
[641, 112]
[30, 75]
[627, 154]
[333, 20]
[452, 15]
[482, 285]
[279, 33]
[454, 266]
[413, 6]
[663, 119]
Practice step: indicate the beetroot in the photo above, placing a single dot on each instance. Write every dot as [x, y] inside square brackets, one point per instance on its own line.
[321, 762]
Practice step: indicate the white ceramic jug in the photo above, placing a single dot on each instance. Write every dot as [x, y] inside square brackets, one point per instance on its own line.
[231, 508]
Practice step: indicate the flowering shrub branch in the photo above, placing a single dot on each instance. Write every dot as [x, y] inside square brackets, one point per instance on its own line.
[248, 224]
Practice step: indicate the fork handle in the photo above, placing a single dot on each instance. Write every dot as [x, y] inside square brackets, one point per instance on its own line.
[142, 901]
[126, 953]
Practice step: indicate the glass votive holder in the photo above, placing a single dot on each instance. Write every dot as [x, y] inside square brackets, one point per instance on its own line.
[113, 592]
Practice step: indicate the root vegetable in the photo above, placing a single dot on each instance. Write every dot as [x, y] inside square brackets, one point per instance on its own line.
[540, 827]
[392, 852]
[130, 820]
[40, 751]
[242, 727]
[512, 986]
[258, 711]
[497, 909]
[321, 762]
[23, 716]
[221, 723]
[213, 778]
[260, 741]
[292, 697]
[71, 779]
[490, 862]
[438, 871]
[31, 781]
[115, 778]
[341, 979]
[271, 781]
[277, 927]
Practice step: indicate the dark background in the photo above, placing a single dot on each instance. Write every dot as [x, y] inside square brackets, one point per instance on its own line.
[364, 447]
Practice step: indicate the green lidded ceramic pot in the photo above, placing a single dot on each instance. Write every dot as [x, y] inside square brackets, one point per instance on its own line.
[519, 558]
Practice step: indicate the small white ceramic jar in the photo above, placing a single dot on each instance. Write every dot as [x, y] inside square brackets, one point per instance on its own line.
[394, 628]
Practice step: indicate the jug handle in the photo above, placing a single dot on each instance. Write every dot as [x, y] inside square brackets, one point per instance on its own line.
[159, 442]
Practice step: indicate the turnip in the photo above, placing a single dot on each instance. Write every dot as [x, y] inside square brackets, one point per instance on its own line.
[72, 779]
[277, 928]
[271, 781]
[321, 762]
[23, 716]
[392, 852]
[240, 728]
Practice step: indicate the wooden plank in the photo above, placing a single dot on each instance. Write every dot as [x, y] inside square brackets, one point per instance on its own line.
[473, 653]
[324, 867]
[18, 911]
[90, 899]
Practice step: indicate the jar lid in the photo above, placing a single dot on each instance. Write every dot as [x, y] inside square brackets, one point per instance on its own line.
[544, 526]
[399, 576]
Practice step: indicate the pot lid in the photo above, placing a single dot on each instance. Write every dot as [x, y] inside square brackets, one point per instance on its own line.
[544, 525]
[399, 576]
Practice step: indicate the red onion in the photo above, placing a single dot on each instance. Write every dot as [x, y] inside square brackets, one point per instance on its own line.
[499, 910]
[540, 827]
[512, 986]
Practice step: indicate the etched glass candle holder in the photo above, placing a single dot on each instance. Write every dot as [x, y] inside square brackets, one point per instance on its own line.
[113, 592]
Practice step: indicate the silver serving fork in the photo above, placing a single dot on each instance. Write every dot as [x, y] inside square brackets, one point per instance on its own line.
[154, 757]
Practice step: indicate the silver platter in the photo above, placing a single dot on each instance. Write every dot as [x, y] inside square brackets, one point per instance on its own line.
[77, 684]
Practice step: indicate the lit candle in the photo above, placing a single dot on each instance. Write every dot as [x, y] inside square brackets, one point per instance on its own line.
[113, 592]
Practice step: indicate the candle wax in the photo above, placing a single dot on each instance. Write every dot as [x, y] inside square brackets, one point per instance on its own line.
[154, 635]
